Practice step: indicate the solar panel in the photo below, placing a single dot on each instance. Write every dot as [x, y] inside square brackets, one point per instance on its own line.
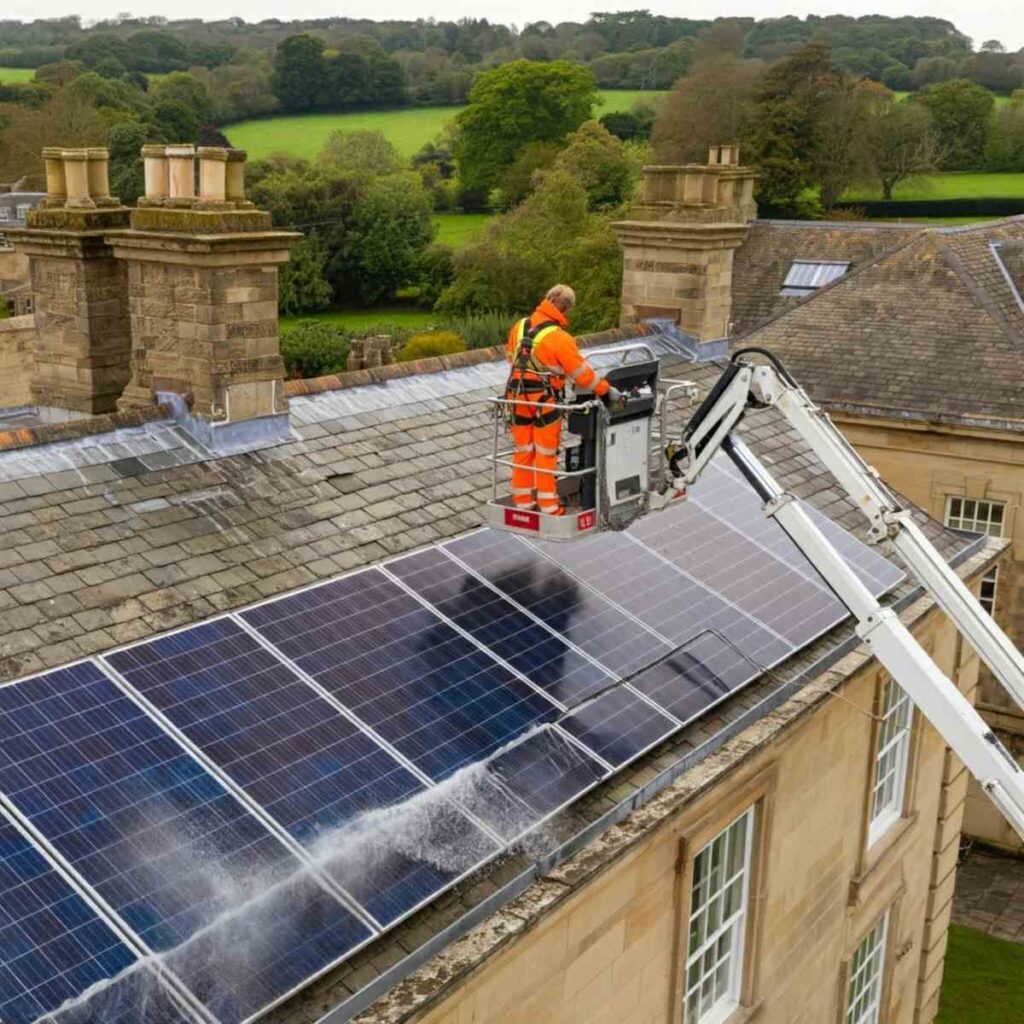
[136, 997]
[758, 586]
[548, 661]
[278, 942]
[53, 946]
[619, 726]
[139, 819]
[585, 618]
[674, 604]
[696, 677]
[296, 755]
[528, 781]
[431, 693]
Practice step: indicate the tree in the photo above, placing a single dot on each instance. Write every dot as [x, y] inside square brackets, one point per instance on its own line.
[302, 286]
[300, 73]
[361, 152]
[961, 115]
[549, 237]
[238, 91]
[600, 162]
[790, 102]
[712, 105]
[513, 105]
[840, 155]
[66, 120]
[1005, 148]
[390, 230]
[181, 87]
[175, 120]
[125, 143]
[929, 70]
[313, 348]
[901, 144]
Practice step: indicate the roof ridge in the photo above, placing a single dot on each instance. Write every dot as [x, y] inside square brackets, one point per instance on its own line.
[437, 364]
[832, 285]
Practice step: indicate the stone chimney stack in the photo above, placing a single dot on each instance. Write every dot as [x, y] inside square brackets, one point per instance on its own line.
[202, 294]
[679, 241]
[82, 346]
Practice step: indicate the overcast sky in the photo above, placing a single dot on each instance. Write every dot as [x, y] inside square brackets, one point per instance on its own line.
[981, 19]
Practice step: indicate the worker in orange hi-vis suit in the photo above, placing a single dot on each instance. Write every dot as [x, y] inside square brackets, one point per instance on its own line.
[542, 355]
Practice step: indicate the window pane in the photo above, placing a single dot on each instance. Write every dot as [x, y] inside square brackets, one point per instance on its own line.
[891, 759]
[863, 1002]
[718, 907]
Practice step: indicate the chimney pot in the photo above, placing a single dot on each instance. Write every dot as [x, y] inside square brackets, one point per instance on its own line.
[212, 174]
[76, 178]
[56, 187]
[155, 167]
[99, 177]
[235, 176]
[181, 174]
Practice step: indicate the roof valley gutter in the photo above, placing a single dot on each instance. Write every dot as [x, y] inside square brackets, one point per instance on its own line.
[476, 915]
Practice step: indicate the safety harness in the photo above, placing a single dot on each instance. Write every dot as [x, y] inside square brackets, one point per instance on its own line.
[524, 362]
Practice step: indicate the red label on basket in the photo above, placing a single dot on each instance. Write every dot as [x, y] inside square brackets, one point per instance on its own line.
[585, 520]
[522, 520]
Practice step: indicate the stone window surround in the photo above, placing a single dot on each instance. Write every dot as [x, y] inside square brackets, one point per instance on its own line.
[752, 792]
[893, 707]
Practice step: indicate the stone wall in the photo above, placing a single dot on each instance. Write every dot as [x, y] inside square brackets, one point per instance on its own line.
[613, 951]
[13, 268]
[927, 464]
[17, 357]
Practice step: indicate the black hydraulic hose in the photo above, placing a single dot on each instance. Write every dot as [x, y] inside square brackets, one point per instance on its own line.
[771, 357]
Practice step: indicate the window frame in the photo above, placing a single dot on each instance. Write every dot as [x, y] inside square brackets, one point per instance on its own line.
[988, 600]
[882, 818]
[6, 214]
[808, 283]
[958, 520]
[739, 923]
[883, 925]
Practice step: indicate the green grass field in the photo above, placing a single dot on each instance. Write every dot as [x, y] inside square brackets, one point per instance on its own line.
[459, 229]
[10, 75]
[409, 129]
[362, 319]
[958, 185]
[983, 981]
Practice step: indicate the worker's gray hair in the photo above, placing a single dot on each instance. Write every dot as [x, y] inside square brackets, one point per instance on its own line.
[561, 296]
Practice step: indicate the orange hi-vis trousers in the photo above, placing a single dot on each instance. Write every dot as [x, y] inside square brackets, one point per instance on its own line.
[535, 434]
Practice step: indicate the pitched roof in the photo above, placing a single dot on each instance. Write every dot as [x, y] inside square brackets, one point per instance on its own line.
[930, 329]
[761, 264]
[117, 536]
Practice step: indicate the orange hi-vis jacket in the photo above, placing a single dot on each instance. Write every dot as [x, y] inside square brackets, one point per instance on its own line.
[554, 351]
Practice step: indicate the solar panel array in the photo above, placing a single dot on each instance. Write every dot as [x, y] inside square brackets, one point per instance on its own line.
[209, 820]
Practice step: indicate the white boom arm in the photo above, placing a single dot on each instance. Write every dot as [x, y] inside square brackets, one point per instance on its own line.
[744, 386]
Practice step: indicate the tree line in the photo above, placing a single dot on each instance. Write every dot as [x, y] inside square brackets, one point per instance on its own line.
[428, 61]
[814, 129]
